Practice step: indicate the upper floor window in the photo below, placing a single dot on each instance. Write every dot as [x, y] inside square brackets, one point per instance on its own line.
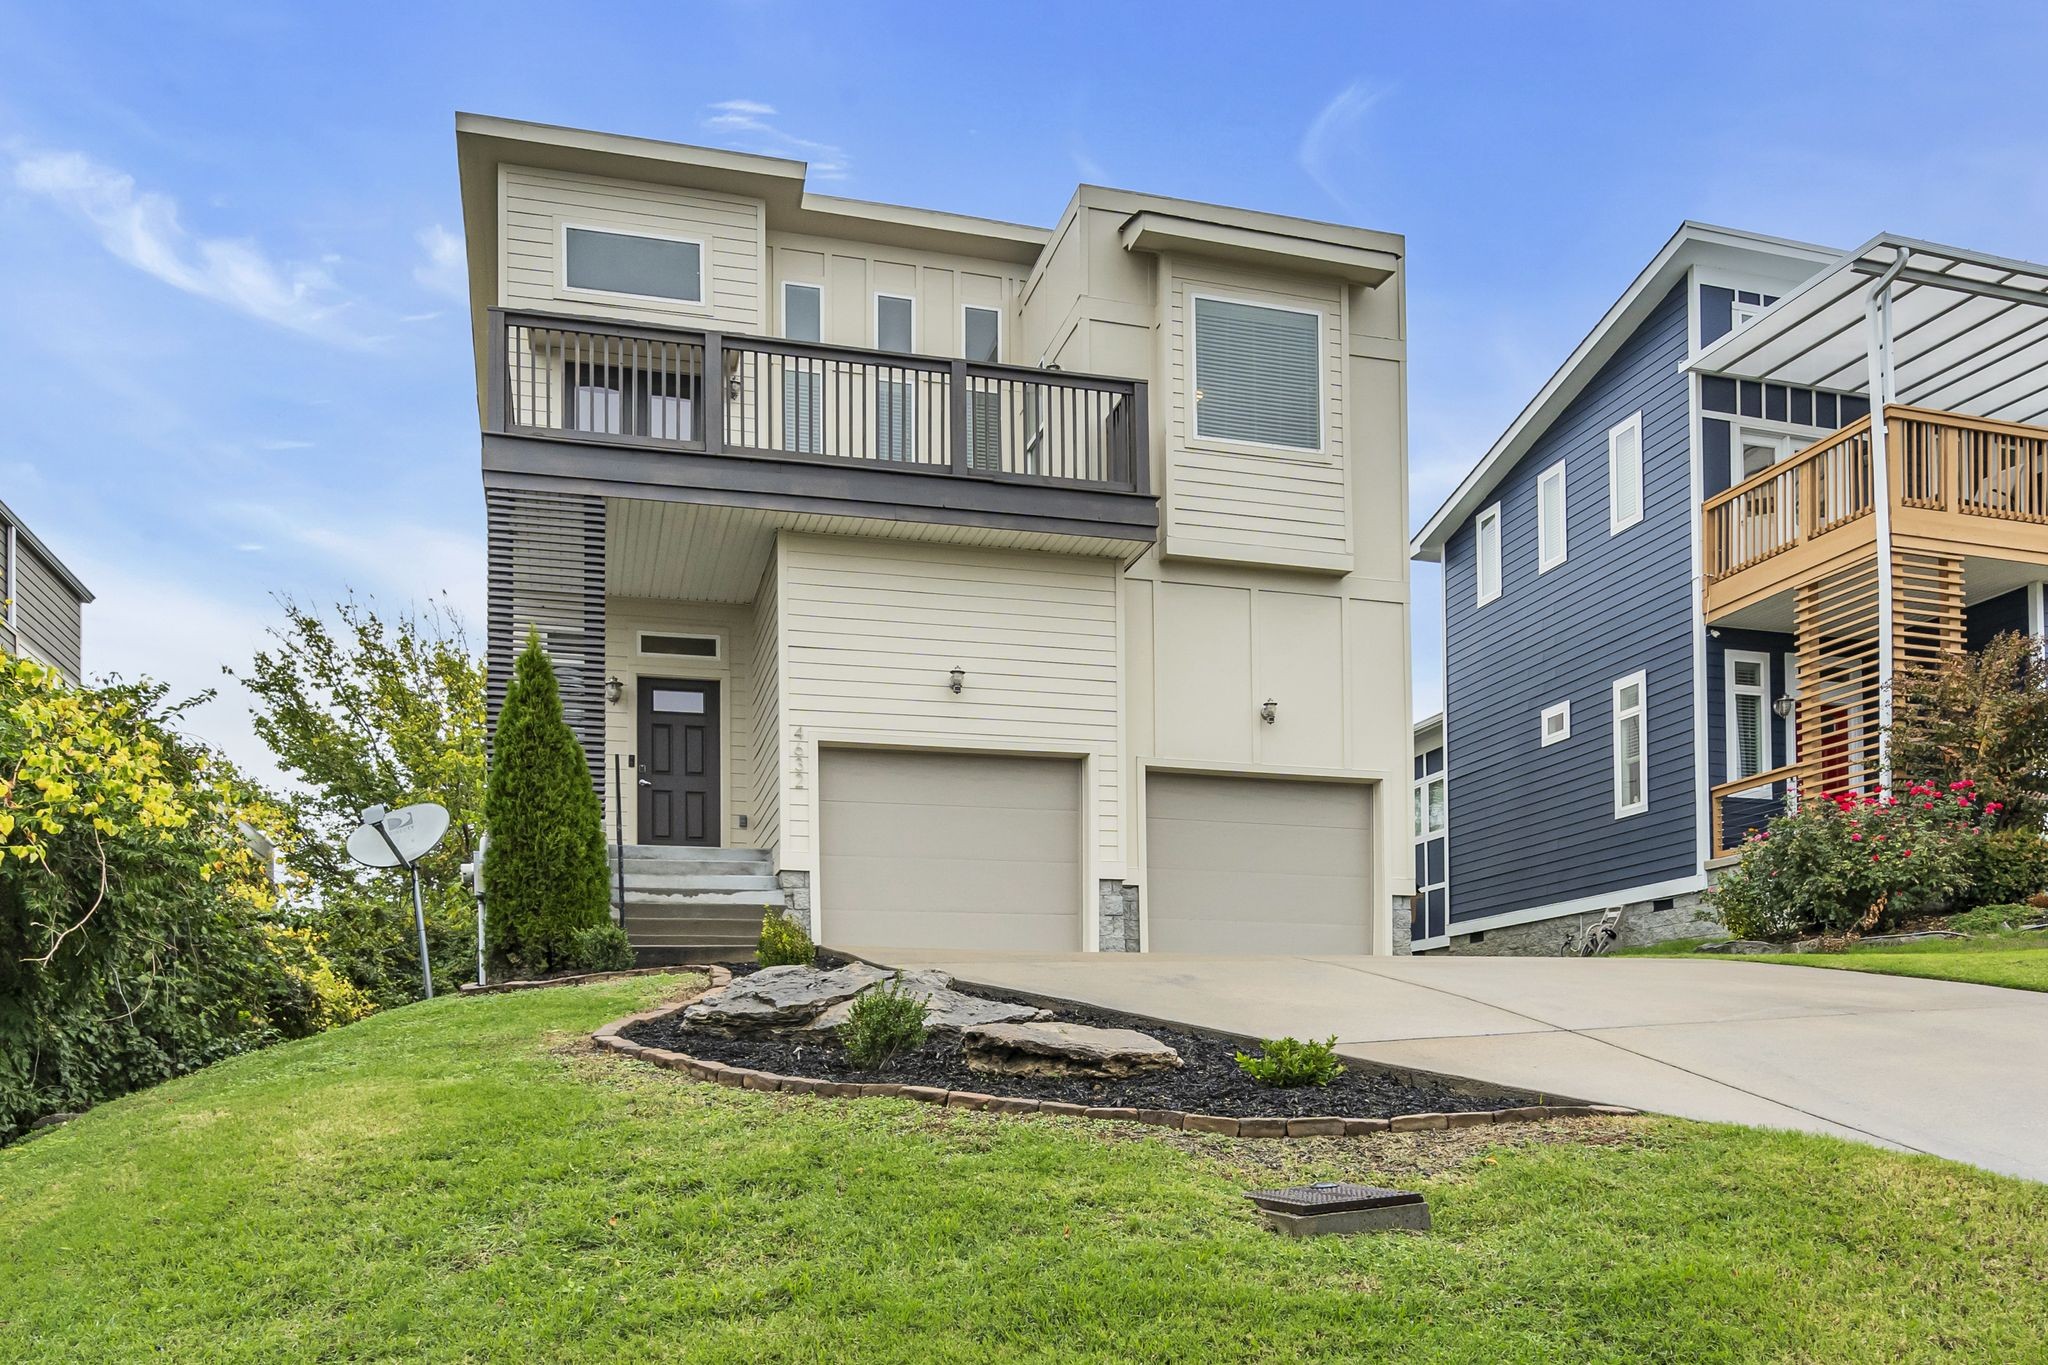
[981, 334]
[1550, 519]
[895, 323]
[1431, 809]
[1625, 474]
[1631, 748]
[1486, 554]
[1749, 305]
[1258, 374]
[803, 311]
[1755, 451]
[632, 263]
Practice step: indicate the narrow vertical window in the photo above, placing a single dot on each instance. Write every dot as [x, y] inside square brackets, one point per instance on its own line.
[895, 318]
[1749, 726]
[981, 341]
[1486, 537]
[981, 331]
[1625, 474]
[895, 387]
[1631, 748]
[803, 377]
[1550, 519]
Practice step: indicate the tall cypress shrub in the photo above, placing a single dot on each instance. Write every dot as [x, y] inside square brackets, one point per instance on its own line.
[545, 870]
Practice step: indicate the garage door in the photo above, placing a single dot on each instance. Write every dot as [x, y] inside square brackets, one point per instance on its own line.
[950, 851]
[1244, 865]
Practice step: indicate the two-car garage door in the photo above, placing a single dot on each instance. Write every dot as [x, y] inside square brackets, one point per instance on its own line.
[1254, 865]
[933, 850]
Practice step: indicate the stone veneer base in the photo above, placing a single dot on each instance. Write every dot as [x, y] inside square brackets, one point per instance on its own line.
[743, 1078]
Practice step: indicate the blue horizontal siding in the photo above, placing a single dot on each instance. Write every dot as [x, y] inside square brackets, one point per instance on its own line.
[1532, 825]
[1994, 617]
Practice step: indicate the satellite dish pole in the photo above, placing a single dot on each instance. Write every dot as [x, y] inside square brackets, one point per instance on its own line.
[400, 838]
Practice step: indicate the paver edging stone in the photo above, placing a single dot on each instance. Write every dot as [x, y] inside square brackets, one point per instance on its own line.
[736, 1078]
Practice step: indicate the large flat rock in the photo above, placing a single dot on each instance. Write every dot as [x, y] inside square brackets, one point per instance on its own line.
[782, 997]
[946, 1010]
[1044, 1048]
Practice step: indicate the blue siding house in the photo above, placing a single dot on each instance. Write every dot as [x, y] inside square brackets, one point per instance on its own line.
[1584, 699]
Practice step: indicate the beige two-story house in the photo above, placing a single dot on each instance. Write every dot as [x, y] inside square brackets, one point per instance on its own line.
[951, 582]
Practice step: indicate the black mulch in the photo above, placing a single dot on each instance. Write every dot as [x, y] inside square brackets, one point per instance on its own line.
[1208, 1082]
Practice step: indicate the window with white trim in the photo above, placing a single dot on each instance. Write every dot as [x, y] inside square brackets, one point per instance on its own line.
[1749, 713]
[803, 377]
[605, 262]
[1258, 373]
[1430, 810]
[1631, 747]
[1557, 723]
[1754, 451]
[685, 646]
[803, 311]
[1486, 553]
[1550, 519]
[1625, 474]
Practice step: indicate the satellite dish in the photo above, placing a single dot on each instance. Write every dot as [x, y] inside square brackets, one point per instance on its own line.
[401, 838]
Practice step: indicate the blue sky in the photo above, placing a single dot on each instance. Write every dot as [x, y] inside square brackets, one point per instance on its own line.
[232, 354]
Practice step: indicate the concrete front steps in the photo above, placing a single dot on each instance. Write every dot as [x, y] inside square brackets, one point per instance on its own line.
[695, 904]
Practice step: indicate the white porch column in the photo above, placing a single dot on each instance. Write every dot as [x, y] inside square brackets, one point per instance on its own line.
[1877, 309]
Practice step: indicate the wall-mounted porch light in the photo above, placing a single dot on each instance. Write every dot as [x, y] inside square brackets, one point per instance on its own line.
[1784, 707]
[956, 678]
[1270, 711]
[613, 689]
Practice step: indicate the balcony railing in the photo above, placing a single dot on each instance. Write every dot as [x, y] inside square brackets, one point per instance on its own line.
[708, 392]
[1939, 462]
[1740, 809]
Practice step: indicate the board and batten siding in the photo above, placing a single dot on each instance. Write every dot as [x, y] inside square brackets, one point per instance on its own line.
[940, 286]
[1532, 826]
[871, 629]
[537, 203]
[48, 617]
[1235, 501]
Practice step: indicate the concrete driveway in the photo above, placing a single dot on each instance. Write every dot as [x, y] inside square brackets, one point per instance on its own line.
[1927, 1066]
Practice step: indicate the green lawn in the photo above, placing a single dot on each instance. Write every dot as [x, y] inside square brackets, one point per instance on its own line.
[463, 1180]
[2016, 960]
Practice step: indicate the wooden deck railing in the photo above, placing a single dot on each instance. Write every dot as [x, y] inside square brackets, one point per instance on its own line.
[1758, 800]
[592, 380]
[1939, 462]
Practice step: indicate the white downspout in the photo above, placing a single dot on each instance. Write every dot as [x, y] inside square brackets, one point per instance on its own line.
[1877, 312]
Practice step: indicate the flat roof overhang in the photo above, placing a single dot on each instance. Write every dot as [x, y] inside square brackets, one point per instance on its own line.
[1096, 520]
[1968, 331]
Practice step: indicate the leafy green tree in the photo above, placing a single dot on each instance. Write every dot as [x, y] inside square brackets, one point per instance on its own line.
[365, 710]
[544, 868]
[141, 935]
[1981, 716]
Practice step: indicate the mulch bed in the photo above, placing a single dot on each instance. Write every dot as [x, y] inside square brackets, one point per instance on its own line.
[1208, 1081]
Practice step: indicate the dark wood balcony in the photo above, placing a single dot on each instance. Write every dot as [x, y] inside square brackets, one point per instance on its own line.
[702, 416]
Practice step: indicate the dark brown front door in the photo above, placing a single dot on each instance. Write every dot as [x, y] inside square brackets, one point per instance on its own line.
[678, 762]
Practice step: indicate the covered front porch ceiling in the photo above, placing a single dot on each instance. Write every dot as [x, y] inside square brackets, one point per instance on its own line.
[1983, 579]
[1968, 331]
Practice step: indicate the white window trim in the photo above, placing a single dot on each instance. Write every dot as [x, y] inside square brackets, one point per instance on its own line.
[1642, 714]
[1194, 370]
[563, 286]
[1544, 564]
[967, 308]
[1562, 710]
[875, 320]
[818, 285]
[1790, 437]
[1615, 524]
[1732, 745]
[717, 639]
[1491, 514]
[1791, 663]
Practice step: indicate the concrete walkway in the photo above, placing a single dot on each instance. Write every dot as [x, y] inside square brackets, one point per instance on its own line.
[1927, 1066]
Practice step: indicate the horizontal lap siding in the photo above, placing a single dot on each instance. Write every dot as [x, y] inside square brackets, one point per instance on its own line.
[1255, 499]
[767, 711]
[537, 203]
[47, 615]
[1776, 646]
[1531, 825]
[873, 628]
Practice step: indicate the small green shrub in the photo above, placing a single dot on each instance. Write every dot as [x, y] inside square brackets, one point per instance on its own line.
[1994, 919]
[599, 948]
[2005, 867]
[885, 1021]
[1288, 1062]
[784, 942]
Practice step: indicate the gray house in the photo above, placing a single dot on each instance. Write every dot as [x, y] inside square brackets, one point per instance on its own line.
[42, 603]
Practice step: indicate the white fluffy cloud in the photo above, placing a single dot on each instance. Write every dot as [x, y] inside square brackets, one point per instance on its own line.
[750, 125]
